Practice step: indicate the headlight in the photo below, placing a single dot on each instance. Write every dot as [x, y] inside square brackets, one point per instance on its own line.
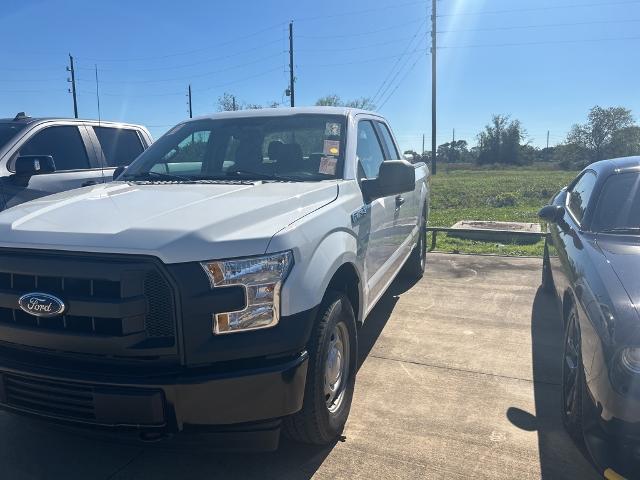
[262, 279]
[630, 359]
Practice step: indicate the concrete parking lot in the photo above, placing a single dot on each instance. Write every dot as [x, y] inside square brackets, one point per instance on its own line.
[459, 379]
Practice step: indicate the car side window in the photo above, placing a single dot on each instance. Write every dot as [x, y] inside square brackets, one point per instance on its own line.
[388, 140]
[579, 195]
[368, 151]
[119, 145]
[63, 143]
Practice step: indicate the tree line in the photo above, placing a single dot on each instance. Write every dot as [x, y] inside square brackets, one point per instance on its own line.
[607, 133]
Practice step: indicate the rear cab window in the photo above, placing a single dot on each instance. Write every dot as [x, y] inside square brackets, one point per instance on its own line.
[120, 146]
[64, 143]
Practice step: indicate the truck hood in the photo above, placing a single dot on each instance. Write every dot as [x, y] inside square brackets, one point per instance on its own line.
[174, 222]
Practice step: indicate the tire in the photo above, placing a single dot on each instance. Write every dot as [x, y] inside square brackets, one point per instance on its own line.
[547, 276]
[325, 409]
[416, 263]
[573, 379]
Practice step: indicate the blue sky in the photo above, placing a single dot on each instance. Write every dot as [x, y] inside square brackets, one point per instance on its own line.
[545, 62]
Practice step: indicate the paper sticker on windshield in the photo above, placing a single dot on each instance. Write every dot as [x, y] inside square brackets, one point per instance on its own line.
[328, 165]
[332, 129]
[331, 147]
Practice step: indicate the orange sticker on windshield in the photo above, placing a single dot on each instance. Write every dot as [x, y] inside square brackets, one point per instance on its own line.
[331, 147]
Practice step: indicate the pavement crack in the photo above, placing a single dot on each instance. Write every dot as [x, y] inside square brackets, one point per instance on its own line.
[129, 462]
[464, 370]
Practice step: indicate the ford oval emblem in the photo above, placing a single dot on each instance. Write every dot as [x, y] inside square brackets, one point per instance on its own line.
[41, 304]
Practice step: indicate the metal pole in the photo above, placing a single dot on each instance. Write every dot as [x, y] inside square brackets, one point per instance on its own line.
[433, 87]
[73, 86]
[291, 76]
[190, 109]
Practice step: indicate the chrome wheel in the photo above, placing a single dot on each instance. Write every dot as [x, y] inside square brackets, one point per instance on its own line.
[571, 366]
[336, 368]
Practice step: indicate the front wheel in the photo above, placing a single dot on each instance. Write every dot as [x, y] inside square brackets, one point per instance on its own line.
[572, 377]
[333, 356]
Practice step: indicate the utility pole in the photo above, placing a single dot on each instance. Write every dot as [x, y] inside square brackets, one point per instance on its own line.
[233, 102]
[547, 138]
[71, 69]
[433, 86]
[292, 79]
[454, 136]
[422, 152]
[190, 108]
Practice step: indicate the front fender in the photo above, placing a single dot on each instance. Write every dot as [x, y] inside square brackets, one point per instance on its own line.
[314, 267]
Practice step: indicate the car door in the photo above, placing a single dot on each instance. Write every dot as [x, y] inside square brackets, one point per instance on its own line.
[72, 154]
[116, 146]
[380, 248]
[405, 218]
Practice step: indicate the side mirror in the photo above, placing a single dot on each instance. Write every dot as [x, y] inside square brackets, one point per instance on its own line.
[28, 165]
[552, 213]
[394, 177]
[118, 171]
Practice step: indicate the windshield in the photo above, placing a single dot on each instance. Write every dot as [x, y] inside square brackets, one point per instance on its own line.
[294, 148]
[618, 207]
[8, 131]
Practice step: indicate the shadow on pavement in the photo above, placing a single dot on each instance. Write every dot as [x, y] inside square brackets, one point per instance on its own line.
[73, 455]
[560, 458]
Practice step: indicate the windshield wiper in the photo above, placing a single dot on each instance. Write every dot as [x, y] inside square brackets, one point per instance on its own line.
[157, 175]
[622, 230]
[262, 176]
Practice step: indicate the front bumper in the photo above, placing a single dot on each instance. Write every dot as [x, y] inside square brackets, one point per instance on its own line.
[227, 398]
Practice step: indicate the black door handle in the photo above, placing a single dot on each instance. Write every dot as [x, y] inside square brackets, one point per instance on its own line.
[88, 183]
[399, 201]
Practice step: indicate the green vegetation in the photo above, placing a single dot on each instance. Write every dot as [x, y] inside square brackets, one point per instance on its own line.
[505, 195]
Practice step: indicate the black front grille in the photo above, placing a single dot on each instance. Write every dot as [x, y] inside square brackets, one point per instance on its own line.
[116, 306]
[57, 399]
[65, 287]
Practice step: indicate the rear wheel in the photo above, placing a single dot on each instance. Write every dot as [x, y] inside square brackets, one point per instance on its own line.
[333, 354]
[416, 263]
[572, 377]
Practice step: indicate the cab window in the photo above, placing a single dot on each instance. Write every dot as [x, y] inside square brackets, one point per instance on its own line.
[368, 151]
[579, 195]
[63, 143]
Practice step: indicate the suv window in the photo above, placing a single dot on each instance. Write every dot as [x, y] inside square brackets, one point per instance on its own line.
[119, 145]
[388, 141]
[63, 143]
[368, 151]
[579, 195]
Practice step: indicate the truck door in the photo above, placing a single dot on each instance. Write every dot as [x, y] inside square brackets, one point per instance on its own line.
[380, 248]
[405, 218]
[75, 167]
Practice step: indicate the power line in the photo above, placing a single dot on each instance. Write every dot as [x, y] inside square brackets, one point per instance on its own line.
[541, 42]
[198, 75]
[188, 52]
[359, 47]
[517, 27]
[356, 62]
[533, 9]
[361, 34]
[400, 82]
[357, 12]
[397, 62]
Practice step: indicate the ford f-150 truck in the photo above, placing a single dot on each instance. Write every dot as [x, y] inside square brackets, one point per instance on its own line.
[218, 284]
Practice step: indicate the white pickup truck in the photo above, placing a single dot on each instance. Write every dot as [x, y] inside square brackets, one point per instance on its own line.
[218, 283]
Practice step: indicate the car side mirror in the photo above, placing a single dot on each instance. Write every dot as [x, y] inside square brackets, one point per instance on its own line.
[118, 171]
[28, 165]
[551, 213]
[394, 177]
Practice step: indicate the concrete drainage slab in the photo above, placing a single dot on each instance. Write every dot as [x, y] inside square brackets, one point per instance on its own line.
[505, 232]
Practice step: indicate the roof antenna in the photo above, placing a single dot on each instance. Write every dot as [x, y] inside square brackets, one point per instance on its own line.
[102, 159]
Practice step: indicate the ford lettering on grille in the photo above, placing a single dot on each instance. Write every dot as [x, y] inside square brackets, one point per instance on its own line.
[41, 304]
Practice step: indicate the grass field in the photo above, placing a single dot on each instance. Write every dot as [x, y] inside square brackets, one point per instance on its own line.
[507, 195]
